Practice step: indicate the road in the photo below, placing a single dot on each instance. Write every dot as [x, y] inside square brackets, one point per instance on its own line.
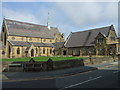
[103, 78]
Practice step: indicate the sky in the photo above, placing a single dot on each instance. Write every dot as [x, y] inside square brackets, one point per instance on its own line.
[66, 16]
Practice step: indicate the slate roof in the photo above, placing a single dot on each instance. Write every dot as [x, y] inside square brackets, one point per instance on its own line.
[27, 29]
[28, 44]
[86, 38]
[118, 37]
[58, 45]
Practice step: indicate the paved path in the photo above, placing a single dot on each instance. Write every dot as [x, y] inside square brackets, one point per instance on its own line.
[34, 75]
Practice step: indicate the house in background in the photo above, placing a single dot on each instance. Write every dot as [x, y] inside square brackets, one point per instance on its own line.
[21, 39]
[99, 41]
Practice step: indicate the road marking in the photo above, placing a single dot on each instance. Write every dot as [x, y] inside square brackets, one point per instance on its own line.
[116, 72]
[81, 83]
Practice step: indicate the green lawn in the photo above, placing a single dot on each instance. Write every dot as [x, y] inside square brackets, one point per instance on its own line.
[43, 58]
[54, 58]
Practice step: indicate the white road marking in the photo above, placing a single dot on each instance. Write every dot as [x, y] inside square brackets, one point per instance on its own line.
[81, 83]
[116, 72]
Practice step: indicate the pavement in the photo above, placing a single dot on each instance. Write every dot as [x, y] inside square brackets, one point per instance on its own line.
[27, 76]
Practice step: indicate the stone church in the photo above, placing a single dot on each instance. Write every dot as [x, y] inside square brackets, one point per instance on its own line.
[21, 39]
[98, 41]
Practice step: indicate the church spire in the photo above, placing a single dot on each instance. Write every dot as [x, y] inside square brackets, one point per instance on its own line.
[48, 21]
[4, 18]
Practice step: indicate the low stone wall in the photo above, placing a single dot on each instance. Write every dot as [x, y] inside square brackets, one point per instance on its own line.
[68, 63]
[56, 65]
[5, 65]
[99, 60]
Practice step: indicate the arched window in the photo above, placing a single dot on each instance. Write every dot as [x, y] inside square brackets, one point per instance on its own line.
[3, 52]
[18, 50]
[30, 39]
[13, 38]
[50, 40]
[36, 50]
[5, 39]
[43, 50]
[44, 40]
[22, 38]
[50, 51]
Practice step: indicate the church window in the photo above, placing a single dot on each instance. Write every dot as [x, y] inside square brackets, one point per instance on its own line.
[62, 35]
[100, 40]
[50, 40]
[22, 38]
[118, 49]
[50, 51]
[84, 50]
[3, 52]
[92, 50]
[56, 39]
[5, 39]
[43, 50]
[112, 38]
[44, 40]
[36, 50]
[13, 38]
[3, 29]
[30, 39]
[18, 50]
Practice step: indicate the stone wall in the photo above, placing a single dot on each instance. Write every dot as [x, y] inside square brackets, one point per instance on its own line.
[99, 60]
[69, 63]
[4, 66]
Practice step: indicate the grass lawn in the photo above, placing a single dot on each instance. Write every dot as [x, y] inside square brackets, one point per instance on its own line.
[44, 58]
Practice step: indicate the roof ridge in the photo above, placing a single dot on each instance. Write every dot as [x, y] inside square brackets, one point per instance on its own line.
[24, 22]
[91, 29]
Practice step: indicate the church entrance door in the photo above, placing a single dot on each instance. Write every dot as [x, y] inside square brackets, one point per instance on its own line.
[32, 53]
[64, 52]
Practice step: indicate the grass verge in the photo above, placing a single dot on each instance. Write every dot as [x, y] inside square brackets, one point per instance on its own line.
[44, 58]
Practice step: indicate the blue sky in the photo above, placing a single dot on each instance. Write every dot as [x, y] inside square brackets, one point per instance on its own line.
[67, 16]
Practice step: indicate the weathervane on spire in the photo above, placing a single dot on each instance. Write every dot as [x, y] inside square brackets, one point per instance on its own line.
[48, 21]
